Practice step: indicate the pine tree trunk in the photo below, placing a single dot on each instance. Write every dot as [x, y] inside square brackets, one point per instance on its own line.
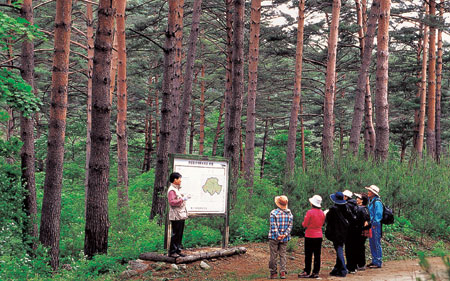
[228, 68]
[162, 156]
[90, 46]
[295, 106]
[175, 83]
[114, 61]
[218, 128]
[192, 131]
[330, 84]
[302, 135]
[148, 132]
[188, 79]
[431, 120]
[382, 106]
[49, 232]
[122, 139]
[439, 87]
[422, 94]
[202, 113]
[263, 153]
[363, 76]
[157, 131]
[369, 130]
[233, 131]
[97, 222]
[27, 153]
[249, 156]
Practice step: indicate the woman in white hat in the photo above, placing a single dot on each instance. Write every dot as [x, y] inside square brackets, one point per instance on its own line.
[376, 214]
[313, 222]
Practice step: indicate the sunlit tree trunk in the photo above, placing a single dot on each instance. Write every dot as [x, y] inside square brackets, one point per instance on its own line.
[330, 84]
[97, 222]
[366, 42]
[369, 130]
[422, 94]
[114, 61]
[90, 52]
[382, 106]
[295, 105]
[202, 113]
[431, 120]
[188, 79]
[249, 155]
[175, 83]
[49, 232]
[162, 156]
[229, 65]
[263, 153]
[122, 139]
[27, 153]
[439, 86]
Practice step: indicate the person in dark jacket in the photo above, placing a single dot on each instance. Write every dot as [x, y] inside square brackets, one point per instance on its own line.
[363, 222]
[354, 232]
[337, 219]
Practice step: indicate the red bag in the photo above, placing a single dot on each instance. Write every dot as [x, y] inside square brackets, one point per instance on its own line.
[367, 232]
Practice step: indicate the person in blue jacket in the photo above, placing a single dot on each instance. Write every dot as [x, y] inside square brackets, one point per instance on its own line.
[376, 214]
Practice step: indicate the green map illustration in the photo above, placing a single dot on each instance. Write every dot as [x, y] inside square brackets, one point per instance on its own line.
[212, 186]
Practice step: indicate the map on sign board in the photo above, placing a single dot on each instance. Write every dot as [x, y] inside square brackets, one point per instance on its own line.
[206, 181]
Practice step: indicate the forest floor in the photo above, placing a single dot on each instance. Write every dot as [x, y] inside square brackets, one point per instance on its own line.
[253, 265]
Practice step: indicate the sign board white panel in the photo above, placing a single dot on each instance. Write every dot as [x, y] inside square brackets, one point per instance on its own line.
[207, 183]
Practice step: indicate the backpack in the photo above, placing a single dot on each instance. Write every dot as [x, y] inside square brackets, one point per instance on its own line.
[388, 214]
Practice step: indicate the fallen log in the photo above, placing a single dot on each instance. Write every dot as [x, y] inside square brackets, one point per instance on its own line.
[194, 257]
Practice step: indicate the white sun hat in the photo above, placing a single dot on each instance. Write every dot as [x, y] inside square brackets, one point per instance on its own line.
[316, 200]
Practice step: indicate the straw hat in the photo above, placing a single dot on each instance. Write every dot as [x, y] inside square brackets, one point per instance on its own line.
[316, 200]
[375, 189]
[281, 201]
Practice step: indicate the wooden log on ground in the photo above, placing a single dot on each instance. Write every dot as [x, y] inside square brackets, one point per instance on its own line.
[156, 257]
[194, 257]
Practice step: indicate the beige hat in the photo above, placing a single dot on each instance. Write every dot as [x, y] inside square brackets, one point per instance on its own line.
[348, 193]
[375, 189]
[281, 201]
[316, 200]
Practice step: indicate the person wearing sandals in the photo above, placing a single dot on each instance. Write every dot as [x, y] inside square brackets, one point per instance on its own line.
[281, 222]
[313, 222]
[338, 218]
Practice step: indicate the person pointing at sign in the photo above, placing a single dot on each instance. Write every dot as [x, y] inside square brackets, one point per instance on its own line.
[177, 214]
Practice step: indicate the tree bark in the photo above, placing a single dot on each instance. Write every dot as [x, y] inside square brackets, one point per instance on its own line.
[97, 222]
[431, 122]
[295, 106]
[263, 153]
[192, 130]
[232, 132]
[49, 232]
[369, 130]
[249, 156]
[114, 61]
[157, 131]
[27, 153]
[330, 84]
[422, 94]
[229, 66]
[382, 106]
[188, 78]
[162, 161]
[175, 83]
[90, 53]
[363, 77]
[218, 128]
[439, 87]
[148, 132]
[202, 113]
[122, 136]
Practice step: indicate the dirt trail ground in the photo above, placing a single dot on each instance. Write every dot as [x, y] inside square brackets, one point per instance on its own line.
[254, 266]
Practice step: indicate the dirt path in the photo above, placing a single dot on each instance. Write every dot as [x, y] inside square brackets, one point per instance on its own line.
[254, 266]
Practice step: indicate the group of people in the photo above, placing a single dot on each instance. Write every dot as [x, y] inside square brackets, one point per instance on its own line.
[349, 222]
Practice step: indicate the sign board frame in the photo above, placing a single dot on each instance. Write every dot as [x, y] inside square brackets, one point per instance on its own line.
[225, 214]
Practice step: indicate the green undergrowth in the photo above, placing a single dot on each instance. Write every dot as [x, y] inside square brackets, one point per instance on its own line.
[418, 194]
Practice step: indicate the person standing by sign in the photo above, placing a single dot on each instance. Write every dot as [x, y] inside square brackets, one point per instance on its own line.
[177, 214]
[281, 222]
